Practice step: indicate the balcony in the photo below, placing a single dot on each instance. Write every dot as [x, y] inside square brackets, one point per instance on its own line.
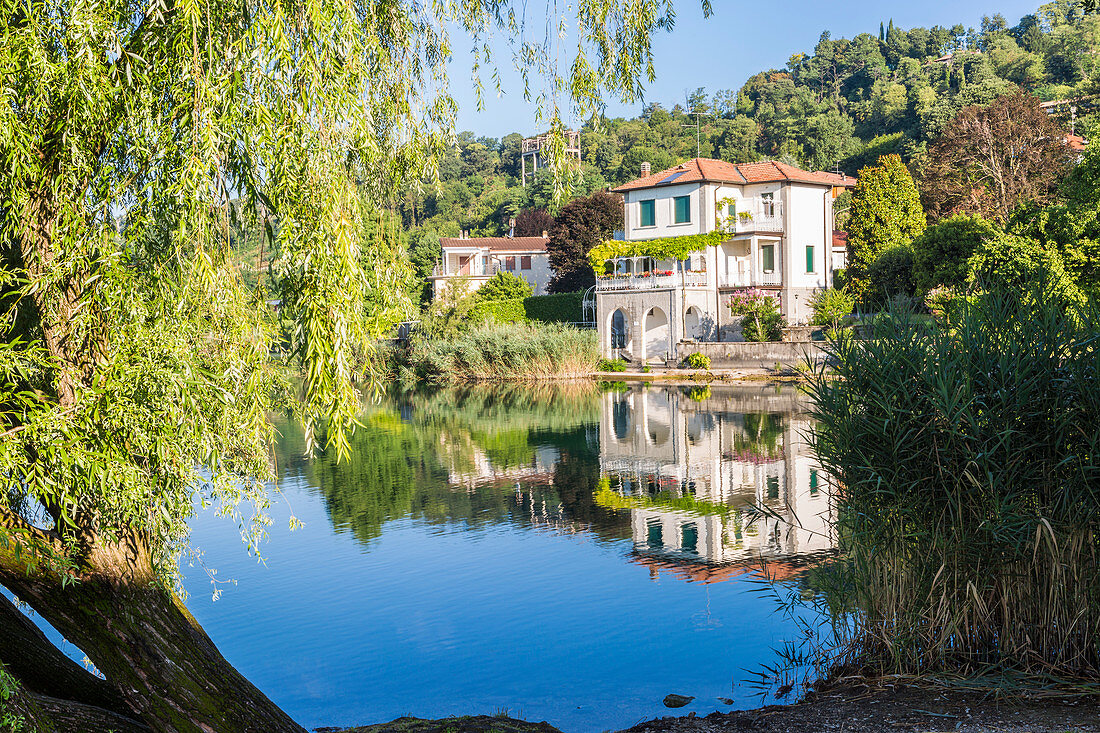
[651, 281]
[756, 215]
[467, 270]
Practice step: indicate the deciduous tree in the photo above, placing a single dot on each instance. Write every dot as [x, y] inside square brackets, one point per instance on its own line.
[989, 160]
[581, 225]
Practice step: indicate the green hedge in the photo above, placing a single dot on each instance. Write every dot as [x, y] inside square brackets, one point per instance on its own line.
[557, 308]
[501, 311]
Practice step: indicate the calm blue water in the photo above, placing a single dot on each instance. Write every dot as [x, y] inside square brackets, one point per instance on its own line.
[565, 556]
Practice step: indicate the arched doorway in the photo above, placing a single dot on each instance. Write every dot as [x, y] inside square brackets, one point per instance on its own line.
[691, 323]
[617, 330]
[655, 334]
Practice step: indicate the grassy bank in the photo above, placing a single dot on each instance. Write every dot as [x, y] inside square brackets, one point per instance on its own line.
[497, 352]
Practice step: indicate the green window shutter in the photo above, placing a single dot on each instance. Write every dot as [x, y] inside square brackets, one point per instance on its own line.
[690, 538]
[773, 487]
[649, 213]
[809, 258]
[813, 482]
[767, 253]
[731, 211]
[683, 209]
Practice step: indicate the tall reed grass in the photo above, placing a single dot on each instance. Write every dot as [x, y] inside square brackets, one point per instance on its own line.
[501, 351]
[967, 462]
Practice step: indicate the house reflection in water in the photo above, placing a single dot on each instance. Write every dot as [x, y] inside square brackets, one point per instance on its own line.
[719, 480]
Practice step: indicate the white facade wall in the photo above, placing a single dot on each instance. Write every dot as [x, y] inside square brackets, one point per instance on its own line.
[484, 263]
[803, 217]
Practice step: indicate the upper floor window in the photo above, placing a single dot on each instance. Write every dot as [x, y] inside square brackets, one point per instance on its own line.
[525, 262]
[767, 204]
[809, 258]
[648, 209]
[509, 263]
[681, 209]
[731, 210]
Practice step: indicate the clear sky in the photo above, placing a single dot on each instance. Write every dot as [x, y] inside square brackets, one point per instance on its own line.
[740, 39]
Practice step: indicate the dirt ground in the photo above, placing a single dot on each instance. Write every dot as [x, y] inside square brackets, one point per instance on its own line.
[846, 709]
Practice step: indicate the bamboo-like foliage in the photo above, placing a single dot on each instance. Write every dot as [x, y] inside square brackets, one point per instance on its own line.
[967, 459]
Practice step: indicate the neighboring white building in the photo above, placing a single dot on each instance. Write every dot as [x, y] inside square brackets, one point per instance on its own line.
[479, 258]
[779, 222]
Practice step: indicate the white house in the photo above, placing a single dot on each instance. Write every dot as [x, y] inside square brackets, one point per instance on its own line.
[775, 227]
[479, 258]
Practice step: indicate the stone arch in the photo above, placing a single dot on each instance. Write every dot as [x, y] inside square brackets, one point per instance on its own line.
[618, 329]
[656, 336]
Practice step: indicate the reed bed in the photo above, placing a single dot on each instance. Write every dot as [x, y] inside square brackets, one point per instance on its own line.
[967, 463]
[502, 351]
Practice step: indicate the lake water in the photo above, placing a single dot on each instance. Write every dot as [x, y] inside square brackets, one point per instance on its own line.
[560, 553]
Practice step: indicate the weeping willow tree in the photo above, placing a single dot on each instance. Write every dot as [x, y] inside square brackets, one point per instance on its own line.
[136, 369]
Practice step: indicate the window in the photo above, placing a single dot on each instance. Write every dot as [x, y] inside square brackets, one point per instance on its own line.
[731, 210]
[813, 482]
[681, 206]
[648, 210]
[773, 487]
[653, 534]
[510, 263]
[809, 258]
[767, 204]
[767, 257]
[485, 264]
[689, 538]
[525, 262]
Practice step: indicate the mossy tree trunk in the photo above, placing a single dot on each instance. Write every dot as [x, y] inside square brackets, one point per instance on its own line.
[160, 665]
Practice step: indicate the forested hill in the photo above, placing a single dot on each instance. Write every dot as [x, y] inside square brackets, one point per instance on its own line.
[840, 104]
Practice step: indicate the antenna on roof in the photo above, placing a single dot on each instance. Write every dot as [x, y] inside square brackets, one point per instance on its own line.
[697, 115]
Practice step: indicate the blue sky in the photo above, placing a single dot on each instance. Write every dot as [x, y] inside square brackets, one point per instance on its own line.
[741, 38]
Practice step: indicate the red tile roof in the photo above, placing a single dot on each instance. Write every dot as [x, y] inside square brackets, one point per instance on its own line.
[1076, 143]
[497, 244]
[840, 239]
[709, 170]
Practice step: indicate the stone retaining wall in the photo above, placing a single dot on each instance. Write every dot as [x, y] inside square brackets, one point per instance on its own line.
[748, 355]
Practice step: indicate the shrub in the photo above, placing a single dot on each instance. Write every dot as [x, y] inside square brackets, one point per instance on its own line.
[611, 365]
[645, 368]
[501, 311]
[760, 317]
[831, 307]
[970, 462]
[504, 286]
[942, 252]
[890, 275]
[556, 308]
[696, 360]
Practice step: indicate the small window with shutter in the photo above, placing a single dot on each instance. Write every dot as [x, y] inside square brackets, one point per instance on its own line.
[525, 262]
[510, 263]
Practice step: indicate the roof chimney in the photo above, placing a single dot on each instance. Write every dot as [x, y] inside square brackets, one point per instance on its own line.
[645, 169]
[545, 234]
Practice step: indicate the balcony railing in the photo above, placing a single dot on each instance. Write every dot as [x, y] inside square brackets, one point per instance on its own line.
[466, 270]
[775, 277]
[650, 281]
[757, 215]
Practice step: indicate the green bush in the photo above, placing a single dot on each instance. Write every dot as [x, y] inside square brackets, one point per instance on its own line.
[501, 311]
[890, 275]
[611, 365]
[941, 253]
[557, 308]
[831, 306]
[696, 360]
[760, 317]
[504, 286]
